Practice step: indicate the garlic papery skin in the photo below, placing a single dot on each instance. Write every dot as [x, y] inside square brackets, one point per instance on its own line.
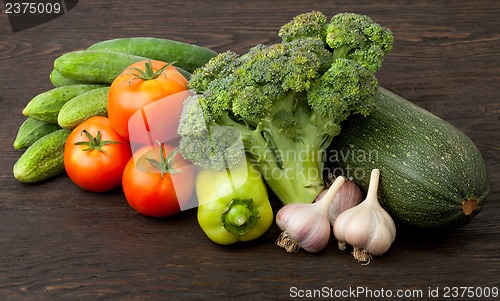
[367, 227]
[307, 225]
[347, 197]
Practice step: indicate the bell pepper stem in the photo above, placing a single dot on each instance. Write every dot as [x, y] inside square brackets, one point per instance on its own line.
[240, 216]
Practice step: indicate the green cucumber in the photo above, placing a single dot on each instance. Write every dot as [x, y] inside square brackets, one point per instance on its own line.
[97, 66]
[94, 65]
[186, 56]
[45, 106]
[58, 80]
[31, 130]
[43, 159]
[82, 107]
[432, 175]
[184, 73]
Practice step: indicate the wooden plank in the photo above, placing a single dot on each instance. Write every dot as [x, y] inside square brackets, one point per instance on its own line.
[58, 242]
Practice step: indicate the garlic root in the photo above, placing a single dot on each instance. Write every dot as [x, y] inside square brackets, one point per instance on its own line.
[287, 243]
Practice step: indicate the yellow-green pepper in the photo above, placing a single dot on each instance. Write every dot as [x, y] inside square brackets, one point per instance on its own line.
[233, 204]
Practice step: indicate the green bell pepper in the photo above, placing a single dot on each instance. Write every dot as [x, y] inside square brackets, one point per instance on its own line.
[233, 204]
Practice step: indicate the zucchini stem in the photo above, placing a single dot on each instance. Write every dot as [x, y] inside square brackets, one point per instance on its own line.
[469, 206]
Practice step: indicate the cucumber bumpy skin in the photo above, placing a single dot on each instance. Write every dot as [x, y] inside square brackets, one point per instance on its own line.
[31, 130]
[98, 66]
[186, 56]
[43, 159]
[58, 80]
[82, 107]
[46, 106]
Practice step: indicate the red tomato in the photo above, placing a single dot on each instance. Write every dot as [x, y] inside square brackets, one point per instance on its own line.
[140, 84]
[95, 155]
[162, 190]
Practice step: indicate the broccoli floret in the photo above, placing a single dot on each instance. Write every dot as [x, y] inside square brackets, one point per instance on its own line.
[269, 72]
[307, 25]
[282, 104]
[348, 87]
[214, 78]
[208, 145]
[358, 37]
[348, 35]
[219, 66]
[308, 59]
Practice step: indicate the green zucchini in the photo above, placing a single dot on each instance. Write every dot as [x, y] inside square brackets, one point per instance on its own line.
[43, 159]
[31, 130]
[82, 107]
[45, 106]
[97, 66]
[186, 56]
[432, 175]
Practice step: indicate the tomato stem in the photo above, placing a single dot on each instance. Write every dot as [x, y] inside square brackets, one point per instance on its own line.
[148, 73]
[95, 143]
[166, 163]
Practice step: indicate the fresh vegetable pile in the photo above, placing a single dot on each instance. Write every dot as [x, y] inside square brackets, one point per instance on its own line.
[179, 126]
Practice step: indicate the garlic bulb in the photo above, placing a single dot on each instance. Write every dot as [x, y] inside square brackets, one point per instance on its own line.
[367, 227]
[306, 225]
[347, 197]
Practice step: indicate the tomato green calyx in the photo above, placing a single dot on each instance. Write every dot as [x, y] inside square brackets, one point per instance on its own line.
[166, 163]
[240, 216]
[95, 143]
[148, 73]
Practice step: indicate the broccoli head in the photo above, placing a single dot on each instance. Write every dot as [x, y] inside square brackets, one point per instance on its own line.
[347, 35]
[269, 72]
[282, 104]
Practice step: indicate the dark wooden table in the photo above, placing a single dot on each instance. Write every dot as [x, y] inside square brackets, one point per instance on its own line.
[58, 242]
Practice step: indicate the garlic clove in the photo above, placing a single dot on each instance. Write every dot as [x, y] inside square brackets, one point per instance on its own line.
[367, 227]
[305, 225]
[304, 228]
[358, 222]
[383, 236]
[347, 197]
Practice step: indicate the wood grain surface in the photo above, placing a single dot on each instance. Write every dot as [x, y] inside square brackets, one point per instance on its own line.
[58, 242]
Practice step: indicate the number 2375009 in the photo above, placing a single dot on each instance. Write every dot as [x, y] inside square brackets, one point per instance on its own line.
[24, 8]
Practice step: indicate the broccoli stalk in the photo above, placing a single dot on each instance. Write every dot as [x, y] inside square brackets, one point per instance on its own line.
[290, 159]
[281, 105]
